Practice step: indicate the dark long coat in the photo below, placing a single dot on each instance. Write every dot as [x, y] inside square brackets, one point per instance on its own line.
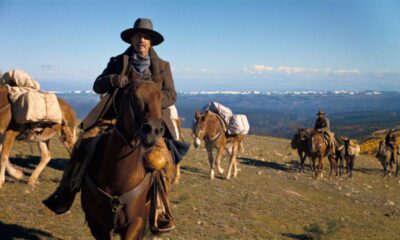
[158, 68]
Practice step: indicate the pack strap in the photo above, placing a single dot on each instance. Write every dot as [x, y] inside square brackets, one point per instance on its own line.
[118, 202]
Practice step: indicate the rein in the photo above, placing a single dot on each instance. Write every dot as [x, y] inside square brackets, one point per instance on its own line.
[120, 134]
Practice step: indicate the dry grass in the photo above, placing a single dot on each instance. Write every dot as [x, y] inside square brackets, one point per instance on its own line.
[268, 200]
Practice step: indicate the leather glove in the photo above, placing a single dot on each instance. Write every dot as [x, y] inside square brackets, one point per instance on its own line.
[119, 81]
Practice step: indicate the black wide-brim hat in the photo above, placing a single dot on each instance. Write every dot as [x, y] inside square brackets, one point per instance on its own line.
[142, 25]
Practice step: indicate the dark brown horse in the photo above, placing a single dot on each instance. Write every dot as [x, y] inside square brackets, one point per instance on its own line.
[40, 133]
[300, 143]
[115, 190]
[384, 156]
[210, 128]
[318, 150]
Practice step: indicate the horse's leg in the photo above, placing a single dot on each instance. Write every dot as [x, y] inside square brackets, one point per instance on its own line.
[351, 165]
[385, 167]
[231, 162]
[220, 152]
[319, 168]
[210, 161]
[9, 138]
[234, 159]
[313, 165]
[301, 160]
[44, 160]
[134, 231]
[331, 165]
[397, 166]
[177, 173]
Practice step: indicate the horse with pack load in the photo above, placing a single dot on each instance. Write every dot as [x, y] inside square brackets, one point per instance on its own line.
[221, 130]
[29, 114]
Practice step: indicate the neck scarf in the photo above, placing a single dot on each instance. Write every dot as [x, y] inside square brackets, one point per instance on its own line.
[141, 64]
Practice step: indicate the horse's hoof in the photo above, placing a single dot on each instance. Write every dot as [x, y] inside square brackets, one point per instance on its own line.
[221, 171]
[32, 182]
[176, 181]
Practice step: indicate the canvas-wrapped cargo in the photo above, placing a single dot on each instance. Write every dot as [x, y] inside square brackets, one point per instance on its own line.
[30, 106]
[18, 78]
[238, 124]
[224, 112]
[354, 148]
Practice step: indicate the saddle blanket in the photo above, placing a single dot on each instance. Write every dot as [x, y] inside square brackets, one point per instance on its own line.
[30, 106]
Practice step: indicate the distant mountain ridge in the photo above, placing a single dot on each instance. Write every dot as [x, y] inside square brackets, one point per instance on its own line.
[352, 113]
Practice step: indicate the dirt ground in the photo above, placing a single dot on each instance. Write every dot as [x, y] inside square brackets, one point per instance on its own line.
[268, 200]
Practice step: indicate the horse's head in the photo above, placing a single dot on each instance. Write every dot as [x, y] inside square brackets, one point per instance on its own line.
[316, 144]
[199, 127]
[141, 112]
[302, 135]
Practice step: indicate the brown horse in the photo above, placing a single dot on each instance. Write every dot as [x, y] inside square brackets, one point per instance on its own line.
[40, 133]
[384, 156]
[115, 190]
[210, 128]
[318, 148]
[300, 143]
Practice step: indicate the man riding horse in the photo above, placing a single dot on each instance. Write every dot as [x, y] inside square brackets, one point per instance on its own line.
[138, 63]
[391, 142]
[322, 124]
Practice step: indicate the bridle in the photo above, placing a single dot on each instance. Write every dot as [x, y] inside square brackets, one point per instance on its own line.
[199, 130]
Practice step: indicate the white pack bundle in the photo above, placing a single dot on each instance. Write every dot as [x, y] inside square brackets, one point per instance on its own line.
[19, 78]
[215, 107]
[238, 124]
[31, 106]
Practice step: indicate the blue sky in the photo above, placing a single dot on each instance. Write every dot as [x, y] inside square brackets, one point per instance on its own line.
[211, 45]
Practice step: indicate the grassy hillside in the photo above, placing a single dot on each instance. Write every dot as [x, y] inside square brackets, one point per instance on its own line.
[268, 200]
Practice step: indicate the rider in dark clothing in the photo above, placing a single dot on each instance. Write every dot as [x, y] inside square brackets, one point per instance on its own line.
[322, 124]
[390, 141]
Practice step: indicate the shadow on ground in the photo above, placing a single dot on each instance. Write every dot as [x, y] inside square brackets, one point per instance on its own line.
[14, 231]
[194, 170]
[30, 162]
[265, 164]
[297, 236]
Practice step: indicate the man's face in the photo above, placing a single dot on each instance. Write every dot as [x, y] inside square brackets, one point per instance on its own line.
[141, 42]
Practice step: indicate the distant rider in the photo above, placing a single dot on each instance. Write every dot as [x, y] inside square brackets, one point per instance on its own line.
[391, 142]
[322, 125]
